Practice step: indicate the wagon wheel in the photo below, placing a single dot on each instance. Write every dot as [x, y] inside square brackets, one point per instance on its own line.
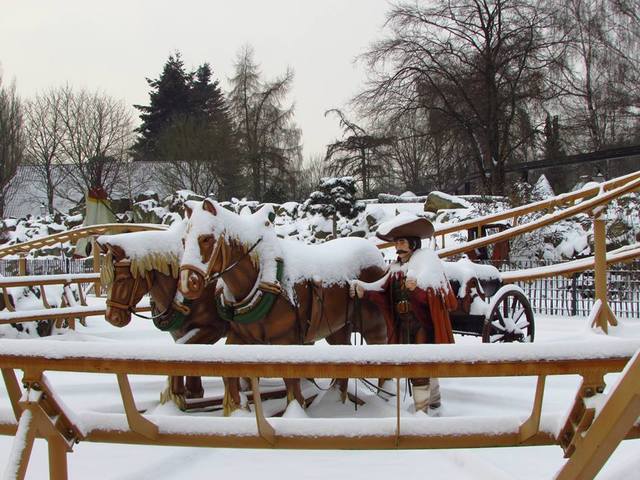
[510, 318]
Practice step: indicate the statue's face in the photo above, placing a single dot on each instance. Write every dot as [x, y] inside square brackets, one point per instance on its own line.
[403, 249]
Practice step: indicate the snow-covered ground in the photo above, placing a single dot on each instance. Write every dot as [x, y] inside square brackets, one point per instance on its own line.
[473, 397]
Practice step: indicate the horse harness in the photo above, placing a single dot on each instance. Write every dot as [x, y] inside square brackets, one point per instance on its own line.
[172, 318]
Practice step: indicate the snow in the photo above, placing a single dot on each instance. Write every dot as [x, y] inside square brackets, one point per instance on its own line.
[334, 262]
[464, 270]
[427, 268]
[401, 219]
[141, 244]
[469, 405]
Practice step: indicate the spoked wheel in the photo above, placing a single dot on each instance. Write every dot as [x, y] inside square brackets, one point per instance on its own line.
[510, 318]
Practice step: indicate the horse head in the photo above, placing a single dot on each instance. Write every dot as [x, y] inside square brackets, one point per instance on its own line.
[136, 263]
[125, 289]
[215, 242]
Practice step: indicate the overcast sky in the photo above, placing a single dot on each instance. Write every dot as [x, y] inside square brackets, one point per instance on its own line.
[113, 45]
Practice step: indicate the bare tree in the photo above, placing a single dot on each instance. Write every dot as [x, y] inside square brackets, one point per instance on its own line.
[98, 135]
[267, 136]
[479, 64]
[45, 135]
[601, 69]
[11, 139]
[356, 154]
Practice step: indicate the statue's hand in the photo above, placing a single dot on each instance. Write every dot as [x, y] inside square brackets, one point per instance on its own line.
[411, 284]
[356, 289]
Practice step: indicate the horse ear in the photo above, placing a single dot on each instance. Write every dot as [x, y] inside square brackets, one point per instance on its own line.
[209, 206]
[104, 247]
[188, 210]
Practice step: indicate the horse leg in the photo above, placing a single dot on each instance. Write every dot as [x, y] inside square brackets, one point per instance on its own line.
[294, 392]
[175, 392]
[340, 338]
[231, 401]
[194, 387]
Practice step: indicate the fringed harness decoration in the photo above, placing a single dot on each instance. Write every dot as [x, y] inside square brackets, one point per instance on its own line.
[172, 318]
[257, 305]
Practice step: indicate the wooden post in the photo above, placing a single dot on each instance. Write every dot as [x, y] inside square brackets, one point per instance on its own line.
[609, 428]
[95, 250]
[137, 422]
[57, 459]
[531, 426]
[13, 390]
[397, 412]
[605, 316]
[22, 264]
[16, 468]
[265, 430]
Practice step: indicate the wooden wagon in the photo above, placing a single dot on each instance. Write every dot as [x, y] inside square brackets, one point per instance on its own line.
[486, 307]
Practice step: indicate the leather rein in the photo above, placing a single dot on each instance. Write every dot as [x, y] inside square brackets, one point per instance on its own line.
[129, 305]
[221, 250]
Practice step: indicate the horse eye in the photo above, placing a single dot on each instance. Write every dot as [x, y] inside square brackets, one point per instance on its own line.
[183, 243]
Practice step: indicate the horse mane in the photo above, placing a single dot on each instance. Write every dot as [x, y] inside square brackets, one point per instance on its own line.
[244, 247]
[167, 263]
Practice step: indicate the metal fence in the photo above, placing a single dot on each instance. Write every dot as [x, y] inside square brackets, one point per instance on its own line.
[574, 295]
[47, 266]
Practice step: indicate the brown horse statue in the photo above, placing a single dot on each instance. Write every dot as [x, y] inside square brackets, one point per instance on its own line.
[143, 263]
[275, 291]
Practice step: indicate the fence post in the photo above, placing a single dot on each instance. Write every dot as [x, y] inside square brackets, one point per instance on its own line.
[95, 250]
[574, 295]
[605, 317]
[22, 264]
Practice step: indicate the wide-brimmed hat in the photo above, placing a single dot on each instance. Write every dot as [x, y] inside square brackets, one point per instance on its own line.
[405, 225]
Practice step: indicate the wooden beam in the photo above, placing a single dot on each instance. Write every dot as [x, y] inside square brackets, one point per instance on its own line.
[265, 430]
[310, 369]
[137, 422]
[532, 425]
[13, 390]
[610, 427]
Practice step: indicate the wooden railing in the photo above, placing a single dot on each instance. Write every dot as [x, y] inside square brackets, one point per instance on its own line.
[564, 200]
[40, 414]
[69, 310]
[74, 235]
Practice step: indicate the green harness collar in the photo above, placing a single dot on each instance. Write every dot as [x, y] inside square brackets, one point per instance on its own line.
[175, 320]
[257, 306]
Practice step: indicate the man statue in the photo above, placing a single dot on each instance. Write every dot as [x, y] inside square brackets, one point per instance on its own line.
[416, 310]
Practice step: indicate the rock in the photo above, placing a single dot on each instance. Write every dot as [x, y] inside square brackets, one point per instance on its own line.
[358, 233]
[147, 195]
[147, 211]
[443, 201]
[175, 202]
[321, 234]
[121, 205]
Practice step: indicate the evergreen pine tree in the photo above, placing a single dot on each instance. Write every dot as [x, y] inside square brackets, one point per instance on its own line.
[169, 99]
[187, 126]
[336, 196]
